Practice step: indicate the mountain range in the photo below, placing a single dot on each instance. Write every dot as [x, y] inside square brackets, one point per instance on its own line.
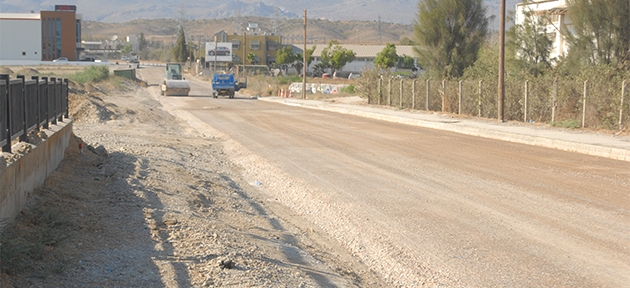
[392, 11]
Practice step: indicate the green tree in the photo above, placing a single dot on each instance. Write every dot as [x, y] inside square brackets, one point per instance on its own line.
[601, 31]
[528, 43]
[335, 57]
[142, 42]
[309, 55]
[251, 58]
[126, 49]
[180, 51]
[387, 58]
[285, 57]
[406, 62]
[449, 34]
[406, 42]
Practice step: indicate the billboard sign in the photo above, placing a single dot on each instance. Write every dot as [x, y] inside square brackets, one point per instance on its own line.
[222, 52]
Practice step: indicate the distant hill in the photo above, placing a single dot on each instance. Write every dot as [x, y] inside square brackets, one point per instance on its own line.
[116, 11]
[320, 32]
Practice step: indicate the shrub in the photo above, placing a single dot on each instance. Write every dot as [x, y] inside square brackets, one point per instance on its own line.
[91, 74]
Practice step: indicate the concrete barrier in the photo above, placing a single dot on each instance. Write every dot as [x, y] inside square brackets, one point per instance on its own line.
[23, 176]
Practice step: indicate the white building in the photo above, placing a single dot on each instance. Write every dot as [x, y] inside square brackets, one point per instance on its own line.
[556, 10]
[14, 42]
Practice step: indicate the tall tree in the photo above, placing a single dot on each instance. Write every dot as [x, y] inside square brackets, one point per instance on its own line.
[142, 42]
[449, 34]
[309, 55]
[335, 57]
[601, 31]
[285, 57]
[528, 43]
[180, 51]
[387, 58]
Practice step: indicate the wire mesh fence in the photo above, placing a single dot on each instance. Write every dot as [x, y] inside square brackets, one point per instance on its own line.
[594, 104]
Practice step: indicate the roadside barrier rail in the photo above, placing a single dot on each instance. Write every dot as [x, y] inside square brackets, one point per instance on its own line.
[32, 104]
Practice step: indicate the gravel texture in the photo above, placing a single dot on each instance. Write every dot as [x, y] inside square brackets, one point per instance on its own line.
[148, 201]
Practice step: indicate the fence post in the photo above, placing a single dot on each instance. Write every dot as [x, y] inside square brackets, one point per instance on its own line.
[46, 124]
[65, 88]
[459, 108]
[24, 108]
[428, 94]
[401, 94]
[7, 145]
[444, 96]
[623, 94]
[389, 92]
[584, 104]
[479, 103]
[53, 80]
[526, 104]
[37, 118]
[413, 94]
[554, 100]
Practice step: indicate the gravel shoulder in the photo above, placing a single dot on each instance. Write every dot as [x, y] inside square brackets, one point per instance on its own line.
[151, 202]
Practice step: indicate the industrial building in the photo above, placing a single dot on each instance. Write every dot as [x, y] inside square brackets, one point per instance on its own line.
[42, 36]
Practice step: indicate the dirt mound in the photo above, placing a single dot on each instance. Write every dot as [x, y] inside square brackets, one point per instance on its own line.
[27, 71]
[85, 106]
[6, 70]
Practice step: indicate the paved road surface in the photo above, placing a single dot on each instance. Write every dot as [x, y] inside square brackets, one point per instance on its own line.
[423, 206]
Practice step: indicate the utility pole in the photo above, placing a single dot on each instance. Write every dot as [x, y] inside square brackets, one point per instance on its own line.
[501, 98]
[244, 52]
[304, 61]
[214, 69]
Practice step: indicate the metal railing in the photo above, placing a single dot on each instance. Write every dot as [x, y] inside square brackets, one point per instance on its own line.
[30, 104]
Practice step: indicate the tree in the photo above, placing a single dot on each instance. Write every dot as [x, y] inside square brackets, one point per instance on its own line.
[449, 34]
[126, 49]
[529, 44]
[251, 58]
[180, 51]
[387, 58]
[285, 57]
[309, 55]
[406, 62]
[406, 41]
[335, 57]
[142, 42]
[601, 31]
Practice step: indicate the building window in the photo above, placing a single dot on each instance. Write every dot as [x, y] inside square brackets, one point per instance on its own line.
[78, 28]
[23, 53]
[254, 45]
[58, 36]
[236, 45]
[272, 45]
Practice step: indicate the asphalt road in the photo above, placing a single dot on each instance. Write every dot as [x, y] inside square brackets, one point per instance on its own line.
[423, 206]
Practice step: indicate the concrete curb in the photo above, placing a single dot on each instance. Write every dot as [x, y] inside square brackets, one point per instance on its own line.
[20, 178]
[605, 151]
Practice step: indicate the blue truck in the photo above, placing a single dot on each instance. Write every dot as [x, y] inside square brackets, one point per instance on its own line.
[226, 85]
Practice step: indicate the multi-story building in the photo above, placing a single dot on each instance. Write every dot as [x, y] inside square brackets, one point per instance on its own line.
[556, 11]
[264, 47]
[45, 36]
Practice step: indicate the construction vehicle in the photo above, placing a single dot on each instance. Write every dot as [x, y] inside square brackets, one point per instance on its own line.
[226, 85]
[174, 84]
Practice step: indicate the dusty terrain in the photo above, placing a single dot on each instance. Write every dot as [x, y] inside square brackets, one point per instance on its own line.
[151, 202]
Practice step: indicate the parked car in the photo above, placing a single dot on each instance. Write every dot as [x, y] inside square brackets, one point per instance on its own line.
[61, 59]
[220, 51]
[88, 59]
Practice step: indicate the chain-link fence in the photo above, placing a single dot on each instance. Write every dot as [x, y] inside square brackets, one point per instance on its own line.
[594, 104]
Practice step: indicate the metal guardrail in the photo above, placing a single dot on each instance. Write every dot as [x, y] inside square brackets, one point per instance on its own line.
[30, 104]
